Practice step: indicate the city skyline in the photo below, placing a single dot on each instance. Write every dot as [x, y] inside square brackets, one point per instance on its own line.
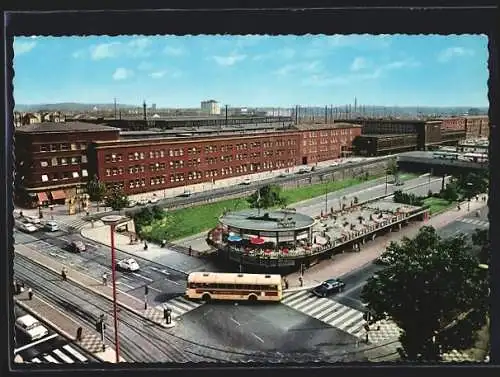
[254, 71]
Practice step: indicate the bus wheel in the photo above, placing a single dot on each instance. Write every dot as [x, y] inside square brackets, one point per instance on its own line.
[252, 298]
[206, 297]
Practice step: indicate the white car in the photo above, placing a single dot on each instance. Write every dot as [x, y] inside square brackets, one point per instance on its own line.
[131, 203]
[246, 181]
[31, 327]
[33, 219]
[129, 264]
[51, 226]
[142, 202]
[26, 227]
[154, 199]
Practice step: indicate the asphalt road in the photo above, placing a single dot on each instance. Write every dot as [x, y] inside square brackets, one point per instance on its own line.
[49, 348]
[141, 341]
[163, 282]
[268, 328]
[357, 279]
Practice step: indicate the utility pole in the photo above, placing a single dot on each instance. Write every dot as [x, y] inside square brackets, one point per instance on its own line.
[326, 114]
[115, 108]
[144, 111]
[355, 105]
[226, 114]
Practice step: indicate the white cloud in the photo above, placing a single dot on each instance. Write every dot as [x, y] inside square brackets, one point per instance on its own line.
[122, 74]
[451, 52]
[284, 53]
[157, 74]
[314, 66]
[138, 47]
[23, 47]
[229, 60]
[105, 50]
[78, 54]
[174, 51]
[358, 64]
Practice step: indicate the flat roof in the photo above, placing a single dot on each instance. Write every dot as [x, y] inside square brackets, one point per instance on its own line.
[323, 126]
[48, 127]
[381, 136]
[251, 220]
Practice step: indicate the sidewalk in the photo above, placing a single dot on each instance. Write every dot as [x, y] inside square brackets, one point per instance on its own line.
[66, 326]
[342, 264]
[124, 300]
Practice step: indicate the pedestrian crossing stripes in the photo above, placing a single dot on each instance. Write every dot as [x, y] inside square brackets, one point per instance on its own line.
[339, 316]
[76, 224]
[64, 355]
[468, 220]
[179, 306]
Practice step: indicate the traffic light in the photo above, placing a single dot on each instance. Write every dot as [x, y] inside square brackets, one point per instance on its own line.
[99, 326]
[146, 289]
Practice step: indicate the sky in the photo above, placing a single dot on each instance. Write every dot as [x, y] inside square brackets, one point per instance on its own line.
[271, 71]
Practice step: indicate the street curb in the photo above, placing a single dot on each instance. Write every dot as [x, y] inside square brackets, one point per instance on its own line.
[55, 327]
[131, 254]
[69, 277]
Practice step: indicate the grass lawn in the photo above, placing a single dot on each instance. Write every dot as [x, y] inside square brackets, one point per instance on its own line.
[184, 222]
[437, 205]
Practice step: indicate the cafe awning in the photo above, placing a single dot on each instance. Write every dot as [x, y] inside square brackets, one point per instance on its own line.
[42, 197]
[58, 195]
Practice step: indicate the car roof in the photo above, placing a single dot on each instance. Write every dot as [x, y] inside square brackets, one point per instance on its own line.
[332, 281]
[27, 320]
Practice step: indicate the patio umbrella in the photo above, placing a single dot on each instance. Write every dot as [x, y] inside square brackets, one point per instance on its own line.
[285, 250]
[267, 251]
[234, 238]
[257, 240]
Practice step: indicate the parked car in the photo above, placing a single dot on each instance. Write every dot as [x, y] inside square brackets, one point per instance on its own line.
[303, 171]
[329, 287]
[31, 327]
[77, 246]
[131, 203]
[246, 181]
[26, 227]
[128, 264]
[32, 219]
[154, 199]
[385, 259]
[142, 202]
[51, 226]
[186, 193]
[283, 175]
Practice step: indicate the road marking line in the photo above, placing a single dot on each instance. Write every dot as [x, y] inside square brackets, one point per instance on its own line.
[355, 318]
[50, 359]
[334, 314]
[140, 276]
[320, 307]
[155, 289]
[36, 360]
[35, 343]
[235, 321]
[126, 285]
[258, 337]
[172, 281]
[338, 320]
[165, 272]
[63, 356]
[75, 353]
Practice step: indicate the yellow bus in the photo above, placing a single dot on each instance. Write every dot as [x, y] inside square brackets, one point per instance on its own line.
[233, 286]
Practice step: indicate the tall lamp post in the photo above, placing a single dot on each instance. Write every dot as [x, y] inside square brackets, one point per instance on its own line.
[113, 221]
[469, 194]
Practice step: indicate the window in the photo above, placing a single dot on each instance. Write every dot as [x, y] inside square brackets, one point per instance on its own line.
[108, 172]
[83, 159]
[65, 175]
[73, 147]
[76, 174]
[43, 148]
[64, 161]
[83, 146]
[44, 163]
[54, 161]
[85, 173]
[65, 147]
[162, 153]
[45, 178]
[142, 155]
[53, 147]
[74, 160]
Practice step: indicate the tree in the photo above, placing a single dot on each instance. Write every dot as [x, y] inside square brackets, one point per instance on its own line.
[392, 169]
[96, 189]
[472, 184]
[481, 238]
[267, 196]
[450, 192]
[433, 290]
[116, 199]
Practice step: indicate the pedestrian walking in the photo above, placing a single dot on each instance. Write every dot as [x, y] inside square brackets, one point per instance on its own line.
[285, 280]
[145, 245]
[105, 279]
[30, 294]
[301, 281]
[190, 250]
[163, 243]
[63, 274]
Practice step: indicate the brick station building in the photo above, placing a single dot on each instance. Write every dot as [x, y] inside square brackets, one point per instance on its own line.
[55, 161]
[52, 160]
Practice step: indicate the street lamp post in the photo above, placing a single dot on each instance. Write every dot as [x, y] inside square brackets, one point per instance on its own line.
[386, 182]
[113, 221]
[326, 197]
[469, 185]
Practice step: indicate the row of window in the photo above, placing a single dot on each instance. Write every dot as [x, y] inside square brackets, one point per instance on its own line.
[62, 147]
[334, 132]
[63, 175]
[247, 287]
[57, 161]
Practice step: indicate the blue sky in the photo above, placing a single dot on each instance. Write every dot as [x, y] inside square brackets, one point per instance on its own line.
[270, 71]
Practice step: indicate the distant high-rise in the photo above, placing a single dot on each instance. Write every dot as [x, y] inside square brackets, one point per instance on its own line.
[211, 107]
[153, 106]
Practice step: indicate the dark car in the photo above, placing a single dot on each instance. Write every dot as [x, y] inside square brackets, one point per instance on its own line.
[77, 246]
[329, 287]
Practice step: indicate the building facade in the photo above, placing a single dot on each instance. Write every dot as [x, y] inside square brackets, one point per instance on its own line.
[379, 145]
[453, 124]
[139, 166]
[321, 142]
[52, 160]
[477, 126]
[210, 107]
